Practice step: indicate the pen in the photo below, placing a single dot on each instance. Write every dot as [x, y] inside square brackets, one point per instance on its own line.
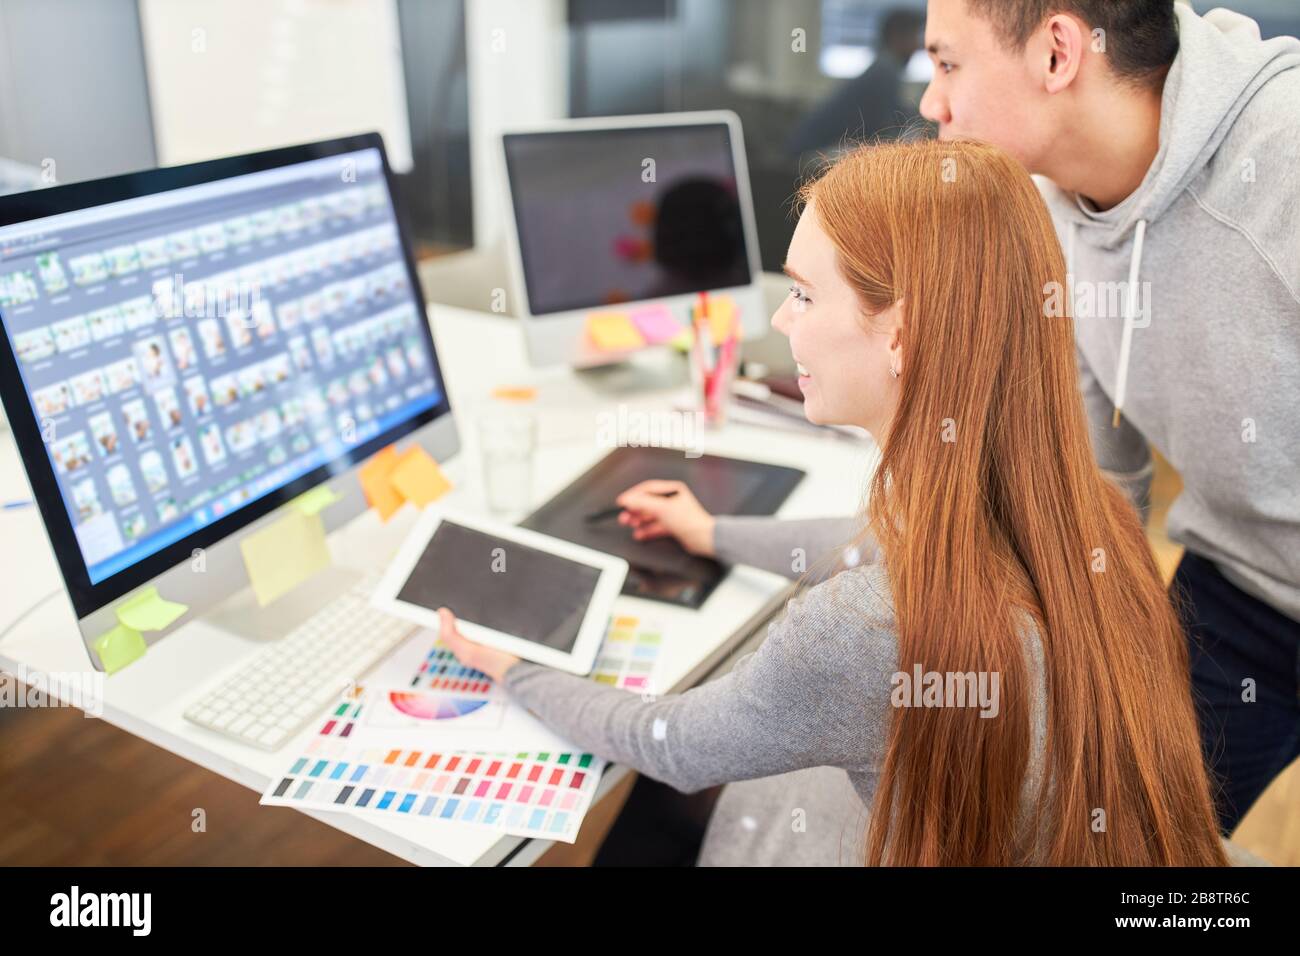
[606, 513]
[703, 326]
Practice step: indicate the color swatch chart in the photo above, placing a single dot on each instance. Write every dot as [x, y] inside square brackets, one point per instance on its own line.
[539, 794]
[441, 671]
[627, 656]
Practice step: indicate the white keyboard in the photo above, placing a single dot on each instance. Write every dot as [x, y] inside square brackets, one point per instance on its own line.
[275, 695]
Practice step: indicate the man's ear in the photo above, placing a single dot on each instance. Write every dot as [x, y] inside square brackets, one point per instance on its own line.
[1062, 43]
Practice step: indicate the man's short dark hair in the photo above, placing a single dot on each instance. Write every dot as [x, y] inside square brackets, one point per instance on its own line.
[1141, 35]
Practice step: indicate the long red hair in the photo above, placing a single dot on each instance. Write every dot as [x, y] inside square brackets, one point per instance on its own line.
[990, 511]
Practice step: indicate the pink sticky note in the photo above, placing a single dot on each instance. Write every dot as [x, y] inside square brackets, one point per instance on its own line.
[656, 323]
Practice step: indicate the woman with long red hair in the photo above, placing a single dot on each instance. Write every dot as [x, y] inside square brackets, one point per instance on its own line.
[988, 650]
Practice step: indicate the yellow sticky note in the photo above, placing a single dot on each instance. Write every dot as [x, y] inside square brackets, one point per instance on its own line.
[282, 555]
[315, 501]
[147, 611]
[375, 476]
[722, 315]
[613, 332]
[418, 479]
[119, 647]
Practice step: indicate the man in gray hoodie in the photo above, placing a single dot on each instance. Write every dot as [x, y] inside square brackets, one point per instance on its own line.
[1166, 146]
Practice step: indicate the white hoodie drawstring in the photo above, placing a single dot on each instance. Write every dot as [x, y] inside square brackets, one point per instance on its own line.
[1130, 308]
[1069, 260]
[1130, 313]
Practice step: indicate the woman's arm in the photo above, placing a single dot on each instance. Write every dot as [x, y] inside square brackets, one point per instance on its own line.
[790, 547]
[823, 546]
[816, 693]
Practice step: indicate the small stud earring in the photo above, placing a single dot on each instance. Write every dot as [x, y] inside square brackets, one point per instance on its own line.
[893, 371]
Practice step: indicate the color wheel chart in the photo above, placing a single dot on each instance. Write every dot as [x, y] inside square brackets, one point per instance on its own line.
[458, 690]
[540, 794]
[381, 709]
[627, 656]
[433, 706]
[439, 689]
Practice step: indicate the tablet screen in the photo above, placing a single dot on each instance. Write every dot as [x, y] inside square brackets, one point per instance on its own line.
[503, 585]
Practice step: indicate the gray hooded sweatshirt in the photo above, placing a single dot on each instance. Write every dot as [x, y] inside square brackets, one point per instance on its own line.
[1187, 305]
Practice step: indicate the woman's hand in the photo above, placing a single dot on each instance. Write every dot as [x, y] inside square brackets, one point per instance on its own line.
[650, 513]
[489, 660]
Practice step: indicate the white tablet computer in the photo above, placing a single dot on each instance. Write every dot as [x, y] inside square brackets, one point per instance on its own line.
[526, 593]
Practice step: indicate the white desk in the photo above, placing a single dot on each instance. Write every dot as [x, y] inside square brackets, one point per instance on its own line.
[477, 351]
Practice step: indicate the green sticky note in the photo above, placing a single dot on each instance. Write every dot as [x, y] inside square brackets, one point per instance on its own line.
[147, 611]
[315, 501]
[683, 340]
[119, 647]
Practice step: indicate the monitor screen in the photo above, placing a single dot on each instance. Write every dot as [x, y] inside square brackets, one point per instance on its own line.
[191, 351]
[623, 215]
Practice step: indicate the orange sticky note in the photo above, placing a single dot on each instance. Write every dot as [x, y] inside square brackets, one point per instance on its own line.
[613, 332]
[375, 476]
[418, 479]
[722, 315]
[514, 393]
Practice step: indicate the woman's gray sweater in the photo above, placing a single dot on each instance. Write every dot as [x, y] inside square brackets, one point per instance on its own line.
[816, 694]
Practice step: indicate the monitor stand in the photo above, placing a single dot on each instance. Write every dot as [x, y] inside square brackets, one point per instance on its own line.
[653, 370]
[240, 614]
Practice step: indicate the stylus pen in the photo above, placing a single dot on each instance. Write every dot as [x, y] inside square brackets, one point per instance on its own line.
[606, 513]
[15, 505]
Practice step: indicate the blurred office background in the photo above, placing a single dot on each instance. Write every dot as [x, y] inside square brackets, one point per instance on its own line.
[104, 86]
[91, 88]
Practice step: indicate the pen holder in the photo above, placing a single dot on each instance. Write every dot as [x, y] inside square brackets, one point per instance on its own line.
[711, 380]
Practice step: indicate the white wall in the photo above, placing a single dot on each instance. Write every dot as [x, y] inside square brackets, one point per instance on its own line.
[72, 87]
[518, 75]
[239, 76]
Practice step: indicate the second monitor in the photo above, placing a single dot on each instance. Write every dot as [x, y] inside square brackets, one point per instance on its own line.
[619, 223]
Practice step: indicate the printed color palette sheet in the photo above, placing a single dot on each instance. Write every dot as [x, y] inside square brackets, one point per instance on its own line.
[628, 654]
[544, 794]
[428, 737]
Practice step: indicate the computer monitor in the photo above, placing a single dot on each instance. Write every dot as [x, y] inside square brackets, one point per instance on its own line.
[632, 217]
[187, 349]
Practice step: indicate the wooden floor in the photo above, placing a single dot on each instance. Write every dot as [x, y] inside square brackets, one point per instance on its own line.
[77, 791]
